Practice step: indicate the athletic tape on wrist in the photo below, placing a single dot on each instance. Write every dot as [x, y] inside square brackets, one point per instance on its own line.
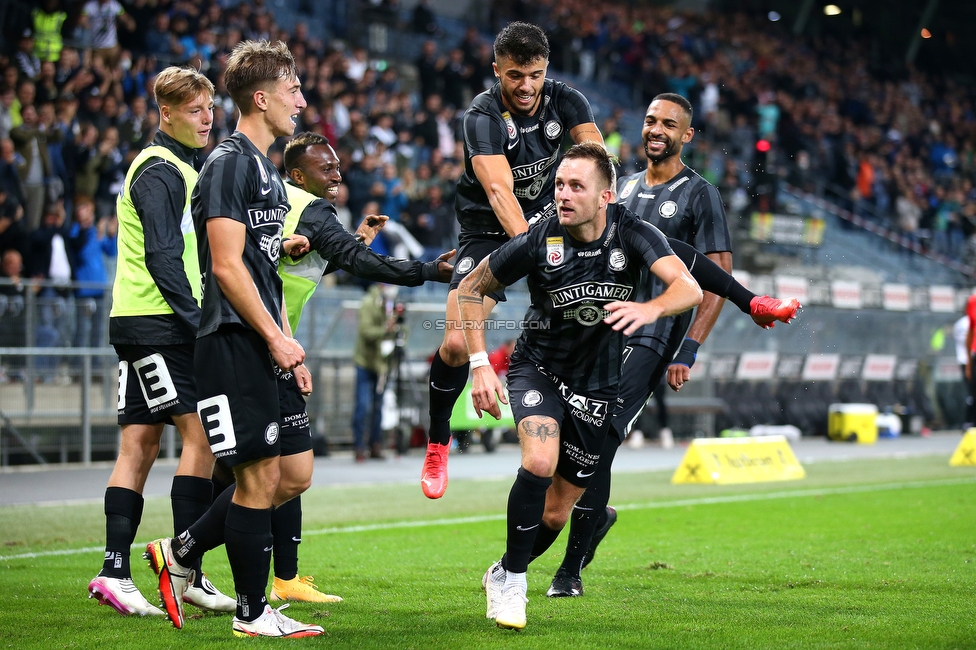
[687, 353]
[479, 359]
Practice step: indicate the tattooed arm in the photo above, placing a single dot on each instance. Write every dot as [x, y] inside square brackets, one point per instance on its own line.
[471, 295]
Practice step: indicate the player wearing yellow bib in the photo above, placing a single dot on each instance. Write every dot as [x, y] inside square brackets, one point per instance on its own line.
[153, 326]
[313, 181]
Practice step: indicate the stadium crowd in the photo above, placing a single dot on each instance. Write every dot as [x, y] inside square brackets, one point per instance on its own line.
[76, 109]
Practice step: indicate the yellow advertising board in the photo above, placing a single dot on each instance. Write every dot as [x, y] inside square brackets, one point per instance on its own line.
[965, 453]
[722, 461]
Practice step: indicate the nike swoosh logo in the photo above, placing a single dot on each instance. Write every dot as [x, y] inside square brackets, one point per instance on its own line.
[443, 390]
[582, 475]
[297, 540]
[525, 529]
[269, 549]
[581, 508]
[550, 269]
[265, 190]
[512, 144]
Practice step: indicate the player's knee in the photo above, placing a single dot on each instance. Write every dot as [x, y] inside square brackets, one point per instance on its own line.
[555, 519]
[454, 350]
[539, 464]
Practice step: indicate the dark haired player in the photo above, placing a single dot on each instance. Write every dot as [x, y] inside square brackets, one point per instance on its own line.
[239, 207]
[313, 181]
[689, 210]
[583, 269]
[512, 146]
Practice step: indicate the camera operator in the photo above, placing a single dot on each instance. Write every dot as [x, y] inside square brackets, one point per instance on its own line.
[380, 330]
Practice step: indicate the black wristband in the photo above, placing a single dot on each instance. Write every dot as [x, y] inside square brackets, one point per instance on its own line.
[687, 353]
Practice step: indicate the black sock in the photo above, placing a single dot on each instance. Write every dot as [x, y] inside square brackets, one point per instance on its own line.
[543, 540]
[123, 512]
[191, 497]
[249, 542]
[447, 383]
[526, 503]
[206, 533]
[712, 277]
[286, 526]
[590, 511]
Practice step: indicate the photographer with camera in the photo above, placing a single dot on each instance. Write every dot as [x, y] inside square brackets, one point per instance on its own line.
[380, 327]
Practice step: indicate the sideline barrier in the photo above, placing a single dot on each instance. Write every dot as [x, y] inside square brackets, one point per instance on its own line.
[722, 461]
[965, 453]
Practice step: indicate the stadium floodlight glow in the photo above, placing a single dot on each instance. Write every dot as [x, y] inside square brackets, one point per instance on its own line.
[831, 10]
[926, 33]
[773, 16]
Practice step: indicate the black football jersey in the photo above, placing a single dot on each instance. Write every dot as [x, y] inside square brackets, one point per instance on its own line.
[532, 146]
[687, 208]
[569, 284]
[240, 183]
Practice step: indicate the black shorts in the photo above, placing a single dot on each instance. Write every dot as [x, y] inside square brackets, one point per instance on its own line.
[238, 391]
[296, 435]
[471, 250]
[583, 419]
[640, 374]
[155, 383]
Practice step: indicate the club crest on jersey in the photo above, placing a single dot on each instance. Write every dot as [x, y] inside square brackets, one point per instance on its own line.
[617, 260]
[586, 315]
[465, 265]
[668, 209]
[510, 126]
[553, 129]
[629, 188]
[554, 251]
[532, 398]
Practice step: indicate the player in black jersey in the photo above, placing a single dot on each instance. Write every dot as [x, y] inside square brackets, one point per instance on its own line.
[583, 269]
[239, 207]
[513, 136]
[686, 208]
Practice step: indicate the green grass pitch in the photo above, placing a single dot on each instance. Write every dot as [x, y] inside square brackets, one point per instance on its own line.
[860, 554]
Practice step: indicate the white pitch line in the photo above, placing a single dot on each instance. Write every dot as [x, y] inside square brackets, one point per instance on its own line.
[651, 505]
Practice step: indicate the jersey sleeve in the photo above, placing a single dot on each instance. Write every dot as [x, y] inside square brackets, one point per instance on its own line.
[484, 134]
[338, 247]
[574, 108]
[158, 196]
[513, 260]
[231, 182]
[711, 224]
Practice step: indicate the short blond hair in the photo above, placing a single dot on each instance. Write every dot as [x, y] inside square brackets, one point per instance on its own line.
[253, 66]
[175, 86]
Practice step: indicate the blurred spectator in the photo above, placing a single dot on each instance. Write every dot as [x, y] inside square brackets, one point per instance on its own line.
[13, 316]
[423, 20]
[10, 183]
[101, 18]
[48, 19]
[429, 67]
[90, 244]
[394, 198]
[27, 62]
[7, 99]
[377, 325]
[13, 236]
[431, 221]
[49, 261]
[30, 139]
